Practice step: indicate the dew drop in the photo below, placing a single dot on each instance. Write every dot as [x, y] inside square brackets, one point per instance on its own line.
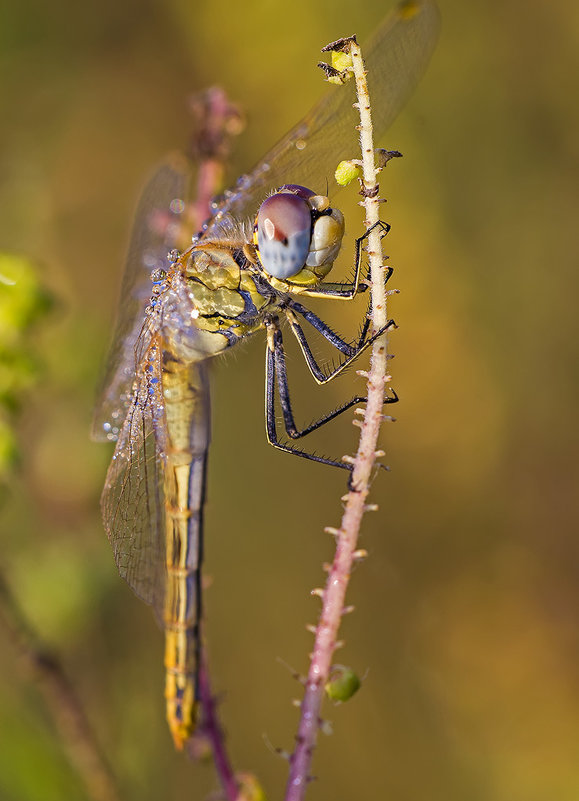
[177, 206]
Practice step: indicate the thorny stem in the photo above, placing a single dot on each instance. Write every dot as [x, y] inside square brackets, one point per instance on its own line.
[214, 734]
[333, 599]
[66, 709]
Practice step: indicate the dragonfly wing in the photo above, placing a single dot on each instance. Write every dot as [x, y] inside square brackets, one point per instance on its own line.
[132, 501]
[157, 230]
[396, 58]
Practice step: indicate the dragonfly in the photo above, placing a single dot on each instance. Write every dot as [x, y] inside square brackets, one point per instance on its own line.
[269, 241]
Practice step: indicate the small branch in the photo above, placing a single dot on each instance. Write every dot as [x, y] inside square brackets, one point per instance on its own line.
[211, 729]
[66, 709]
[217, 122]
[333, 599]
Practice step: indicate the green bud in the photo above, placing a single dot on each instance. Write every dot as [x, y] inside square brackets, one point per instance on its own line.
[342, 684]
[342, 62]
[249, 788]
[346, 172]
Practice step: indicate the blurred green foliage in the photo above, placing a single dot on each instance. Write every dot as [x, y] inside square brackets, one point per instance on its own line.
[467, 609]
[22, 302]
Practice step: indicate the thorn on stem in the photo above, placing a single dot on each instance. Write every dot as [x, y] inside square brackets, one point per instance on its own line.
[293, 673]
[326, 727]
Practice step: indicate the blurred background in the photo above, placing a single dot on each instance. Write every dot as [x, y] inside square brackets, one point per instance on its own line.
[467, 611]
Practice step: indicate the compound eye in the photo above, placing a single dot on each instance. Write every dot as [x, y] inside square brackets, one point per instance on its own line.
[284, 232]
[297, 189]
[326, 239]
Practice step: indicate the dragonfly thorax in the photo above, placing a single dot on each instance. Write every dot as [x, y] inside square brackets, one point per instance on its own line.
[297, 235]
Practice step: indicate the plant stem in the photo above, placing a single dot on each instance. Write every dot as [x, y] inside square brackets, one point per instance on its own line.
[333, 599]
[213, 732]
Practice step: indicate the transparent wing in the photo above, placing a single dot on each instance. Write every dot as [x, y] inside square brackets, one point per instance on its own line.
[395, 58]
[133, 499]
[156, 230]
[132, 503]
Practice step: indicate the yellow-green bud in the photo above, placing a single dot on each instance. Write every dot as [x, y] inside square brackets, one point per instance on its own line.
[341, 61]
[346, 172]
[249, 788]
[342, 684]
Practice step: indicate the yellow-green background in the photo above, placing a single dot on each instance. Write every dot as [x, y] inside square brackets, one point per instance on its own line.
[467, 612]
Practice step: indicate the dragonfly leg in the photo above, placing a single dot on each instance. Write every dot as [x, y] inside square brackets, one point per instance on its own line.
[349, 289]
[276, 375]
[351, 352]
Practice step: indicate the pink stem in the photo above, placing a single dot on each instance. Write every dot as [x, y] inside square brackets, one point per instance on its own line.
[212, 730]
[347, 535]
[325, 642]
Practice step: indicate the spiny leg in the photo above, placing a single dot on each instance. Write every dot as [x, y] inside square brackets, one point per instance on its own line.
[276, 374]
[350, 351]
[324, 329]
[276, 368]
[349, 290]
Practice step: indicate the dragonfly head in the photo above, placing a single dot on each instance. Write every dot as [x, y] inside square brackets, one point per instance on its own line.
[297, 235]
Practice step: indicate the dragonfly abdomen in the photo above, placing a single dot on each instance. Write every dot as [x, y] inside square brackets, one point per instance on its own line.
[182, 607]
[187, 425]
